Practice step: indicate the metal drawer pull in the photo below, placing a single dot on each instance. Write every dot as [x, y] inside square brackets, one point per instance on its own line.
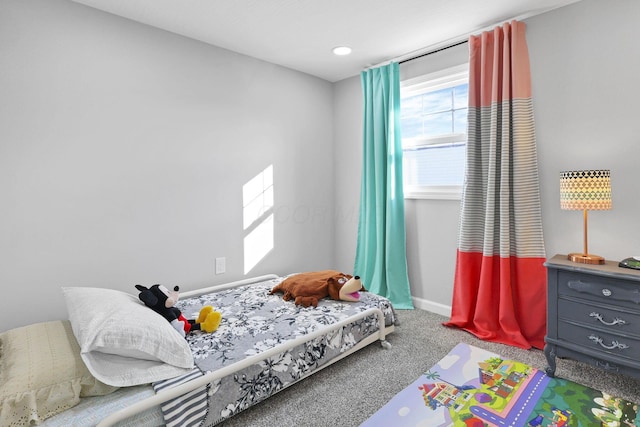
[616, 321]
[614, 344]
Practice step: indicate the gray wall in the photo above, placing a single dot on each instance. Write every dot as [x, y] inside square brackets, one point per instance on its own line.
[585, 67]
[584, 64]
[124, 149]
[347, 146]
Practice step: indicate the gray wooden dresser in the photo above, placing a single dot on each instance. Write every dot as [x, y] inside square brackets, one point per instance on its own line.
[593, 315]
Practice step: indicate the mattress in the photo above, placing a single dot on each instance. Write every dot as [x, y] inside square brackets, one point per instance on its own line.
[255, 321]
[91, 410]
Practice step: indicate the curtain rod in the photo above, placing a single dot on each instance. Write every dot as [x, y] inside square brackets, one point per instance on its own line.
[464, 38]
[410, 56]
[433, 51]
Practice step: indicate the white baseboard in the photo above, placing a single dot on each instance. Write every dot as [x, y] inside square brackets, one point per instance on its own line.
[434, 307]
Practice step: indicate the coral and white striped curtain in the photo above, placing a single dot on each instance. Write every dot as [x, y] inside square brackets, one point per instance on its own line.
[500, 281]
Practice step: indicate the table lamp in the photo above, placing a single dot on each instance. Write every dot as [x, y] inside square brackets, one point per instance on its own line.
[585, 190]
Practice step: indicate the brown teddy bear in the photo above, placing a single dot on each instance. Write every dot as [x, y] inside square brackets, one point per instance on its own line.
[307, 288]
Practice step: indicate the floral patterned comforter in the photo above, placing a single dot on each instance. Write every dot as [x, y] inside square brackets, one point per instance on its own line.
[254, 321]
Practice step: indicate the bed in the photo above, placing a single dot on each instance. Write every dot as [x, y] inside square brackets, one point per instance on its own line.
[263, 345]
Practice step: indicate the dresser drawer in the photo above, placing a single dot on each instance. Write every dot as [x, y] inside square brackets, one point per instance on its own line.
[599, 289]
[608, 365]
[600, 316]
[602, 341]
[593, 315]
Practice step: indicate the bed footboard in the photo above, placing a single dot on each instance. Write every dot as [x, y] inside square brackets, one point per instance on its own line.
[216, 288]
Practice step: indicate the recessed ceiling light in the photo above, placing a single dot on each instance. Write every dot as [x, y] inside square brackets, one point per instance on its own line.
[342, 50]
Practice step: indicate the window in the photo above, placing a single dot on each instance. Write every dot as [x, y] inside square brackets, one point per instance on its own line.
[434, 133]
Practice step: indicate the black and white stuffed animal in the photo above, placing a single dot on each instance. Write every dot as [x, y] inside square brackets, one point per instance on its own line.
[162, 301]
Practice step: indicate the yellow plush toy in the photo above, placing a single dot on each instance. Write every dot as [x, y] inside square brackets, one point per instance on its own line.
[208, 319]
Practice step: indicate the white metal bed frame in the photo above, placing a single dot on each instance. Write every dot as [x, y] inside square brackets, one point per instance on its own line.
[177, 391]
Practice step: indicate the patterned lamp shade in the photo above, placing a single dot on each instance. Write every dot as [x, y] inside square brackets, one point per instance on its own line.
[585, 190]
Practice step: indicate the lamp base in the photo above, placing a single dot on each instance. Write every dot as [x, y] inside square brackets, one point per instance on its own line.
[586, 258]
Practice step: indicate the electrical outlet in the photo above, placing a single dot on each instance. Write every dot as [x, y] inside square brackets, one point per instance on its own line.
[221, 265]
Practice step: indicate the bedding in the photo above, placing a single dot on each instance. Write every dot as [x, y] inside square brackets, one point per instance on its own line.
[263, 345]
[253, 321]
[42, 373]
[123, 342]
[91, 410]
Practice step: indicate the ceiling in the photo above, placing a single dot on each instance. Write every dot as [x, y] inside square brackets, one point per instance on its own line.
[300, 34]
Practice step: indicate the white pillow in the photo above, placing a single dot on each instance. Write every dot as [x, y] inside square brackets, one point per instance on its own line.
[123, 342]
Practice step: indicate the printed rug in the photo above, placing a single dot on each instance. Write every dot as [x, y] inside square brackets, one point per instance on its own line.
[472, 387]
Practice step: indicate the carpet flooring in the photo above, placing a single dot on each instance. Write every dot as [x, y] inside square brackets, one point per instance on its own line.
[348, 392]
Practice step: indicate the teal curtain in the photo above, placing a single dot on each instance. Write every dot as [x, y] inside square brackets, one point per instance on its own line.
[381, 259]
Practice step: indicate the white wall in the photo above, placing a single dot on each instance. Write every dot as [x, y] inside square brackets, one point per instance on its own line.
[347, 146]
[123, 151]
[585, 67]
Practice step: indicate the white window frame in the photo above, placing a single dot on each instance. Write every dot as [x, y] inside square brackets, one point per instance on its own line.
[427, 83]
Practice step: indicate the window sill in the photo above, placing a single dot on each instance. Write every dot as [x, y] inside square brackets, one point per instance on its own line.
[441, 192]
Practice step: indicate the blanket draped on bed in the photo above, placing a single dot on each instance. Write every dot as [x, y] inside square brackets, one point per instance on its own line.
[254, 321]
